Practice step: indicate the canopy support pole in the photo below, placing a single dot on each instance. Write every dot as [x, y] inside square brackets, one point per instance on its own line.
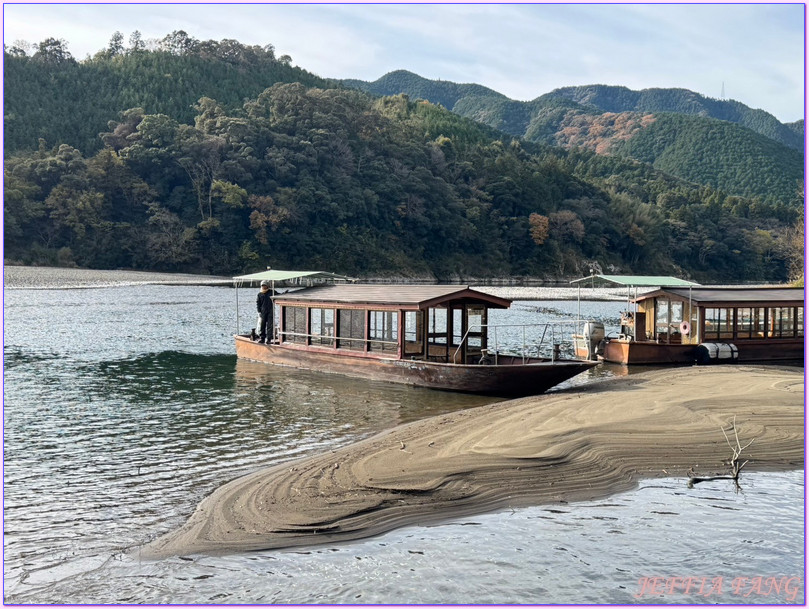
[236, 285]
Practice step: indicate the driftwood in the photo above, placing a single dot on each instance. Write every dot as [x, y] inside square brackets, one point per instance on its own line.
[734, 463]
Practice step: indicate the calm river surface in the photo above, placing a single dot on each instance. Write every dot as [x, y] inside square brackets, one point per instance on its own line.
[125, 406]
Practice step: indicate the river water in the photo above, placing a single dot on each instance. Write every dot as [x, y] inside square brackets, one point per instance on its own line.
[125, 406]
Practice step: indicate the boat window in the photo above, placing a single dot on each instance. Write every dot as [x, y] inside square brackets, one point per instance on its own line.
[477, 318]
[414, 332]
[759, 322]
[744, 322]
[750, 322]
[321, 326]
[437, 326]
[676, 312]
[437, 329]
[351, 329]
[782, 322]
[294, 325]
[662, 315]
[662, 319]
[457, 325]
[718, 323]
[383, 331]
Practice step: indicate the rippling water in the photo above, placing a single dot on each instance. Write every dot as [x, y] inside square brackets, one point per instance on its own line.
[124, 407]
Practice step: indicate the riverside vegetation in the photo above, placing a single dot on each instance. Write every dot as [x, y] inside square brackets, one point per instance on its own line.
[203, 156]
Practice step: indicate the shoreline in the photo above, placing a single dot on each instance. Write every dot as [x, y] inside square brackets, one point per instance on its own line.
[554, 448]
[45, 278]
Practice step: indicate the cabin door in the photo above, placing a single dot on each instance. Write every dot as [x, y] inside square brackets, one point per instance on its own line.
[668, 318]
[459, 321]
[413, 334]
[476, 331]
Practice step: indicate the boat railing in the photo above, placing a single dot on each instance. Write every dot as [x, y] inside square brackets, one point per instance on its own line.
[329, 338]
[492, 333]
[550, 333]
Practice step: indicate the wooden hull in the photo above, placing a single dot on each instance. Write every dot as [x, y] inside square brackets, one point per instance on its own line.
[510, 377]
[622, 351]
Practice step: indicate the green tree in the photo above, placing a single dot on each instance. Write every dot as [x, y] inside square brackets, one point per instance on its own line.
[116, 45]
[136, 44]
[53, 51]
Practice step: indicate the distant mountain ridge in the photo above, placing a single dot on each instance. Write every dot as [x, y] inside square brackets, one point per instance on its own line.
[682, 101]
[797, 127]
[720, 143]
[605, 98]
[442, 92]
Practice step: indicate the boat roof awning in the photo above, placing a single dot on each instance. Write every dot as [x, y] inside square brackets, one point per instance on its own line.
[773, 296]
[640, 281]
[392, 296]
[279, 275]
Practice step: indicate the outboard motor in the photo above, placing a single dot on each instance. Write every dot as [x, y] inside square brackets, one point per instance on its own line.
[593, 333]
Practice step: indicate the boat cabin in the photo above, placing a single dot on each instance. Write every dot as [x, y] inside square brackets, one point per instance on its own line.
[410, 322]
[763, 323]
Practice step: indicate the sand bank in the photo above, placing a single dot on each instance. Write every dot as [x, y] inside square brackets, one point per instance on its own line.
[538, 450]
[554, 292]
[44, 277]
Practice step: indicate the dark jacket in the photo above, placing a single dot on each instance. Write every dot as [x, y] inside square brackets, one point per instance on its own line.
[264, 303]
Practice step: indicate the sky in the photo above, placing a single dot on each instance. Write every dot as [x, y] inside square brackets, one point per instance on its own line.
[753, 53]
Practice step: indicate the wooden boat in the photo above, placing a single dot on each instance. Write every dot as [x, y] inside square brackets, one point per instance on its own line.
[425, 335]
[590, 341]
[711, 324]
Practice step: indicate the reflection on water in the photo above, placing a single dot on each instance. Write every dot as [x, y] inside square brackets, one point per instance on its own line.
[120, 451]
[128, 407]
[592, 552]
[380, 404]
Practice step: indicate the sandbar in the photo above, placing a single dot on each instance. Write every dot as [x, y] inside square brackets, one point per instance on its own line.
[559, 447]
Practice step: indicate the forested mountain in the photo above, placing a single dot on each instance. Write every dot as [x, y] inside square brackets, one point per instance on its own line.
[797, 127]
[682, 101]
[700, 150]
[334, 178]
[52, 96]
[679, 125]
[441, 92]
[602, 98]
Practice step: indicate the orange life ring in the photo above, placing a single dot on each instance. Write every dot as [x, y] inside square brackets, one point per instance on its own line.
[685, 328]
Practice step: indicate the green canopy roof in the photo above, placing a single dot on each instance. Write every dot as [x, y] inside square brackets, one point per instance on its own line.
[279, 275]
[641, 281]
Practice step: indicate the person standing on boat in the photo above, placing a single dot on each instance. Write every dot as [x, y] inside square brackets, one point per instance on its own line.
[264, 306]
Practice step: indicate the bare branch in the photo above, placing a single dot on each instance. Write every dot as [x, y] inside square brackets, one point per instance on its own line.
[735, 466]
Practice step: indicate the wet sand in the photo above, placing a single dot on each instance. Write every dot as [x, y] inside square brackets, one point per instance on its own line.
[555, 448]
